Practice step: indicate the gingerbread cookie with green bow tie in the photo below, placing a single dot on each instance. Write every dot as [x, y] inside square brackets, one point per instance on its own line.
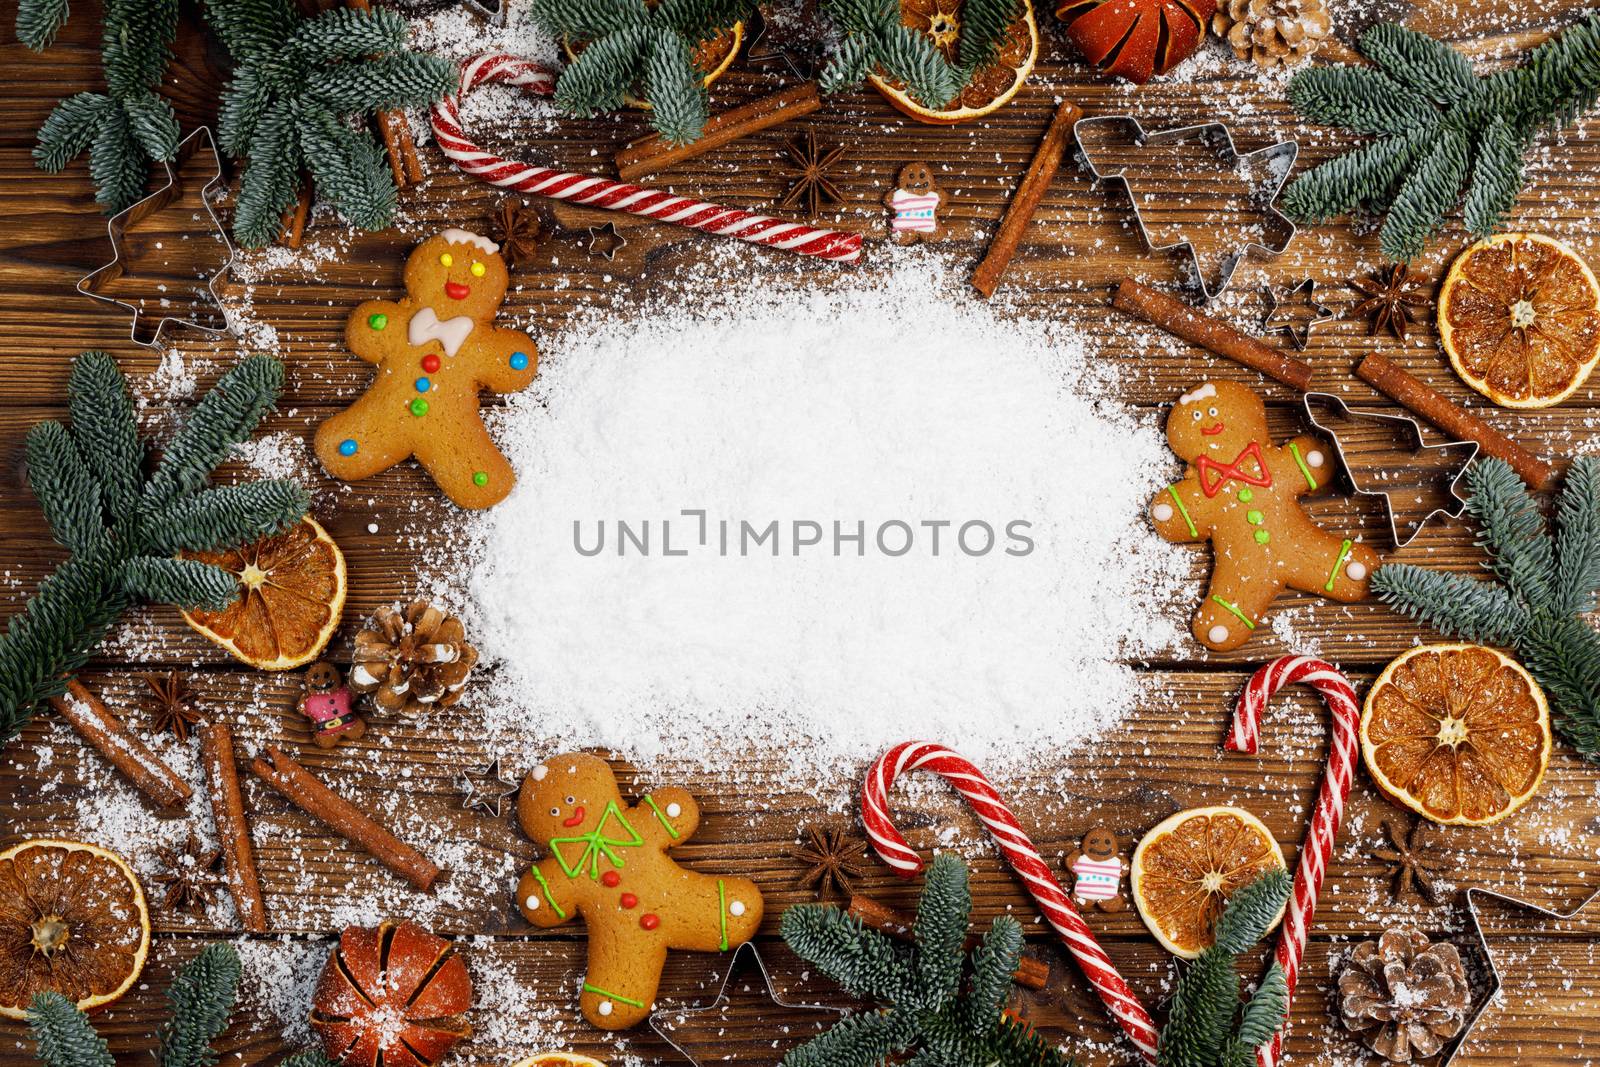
[607, 862]
[436, 349]
[1242, 493]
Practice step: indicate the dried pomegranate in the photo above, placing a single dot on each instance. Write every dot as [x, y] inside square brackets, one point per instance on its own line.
[391, 997]
[1136, 38]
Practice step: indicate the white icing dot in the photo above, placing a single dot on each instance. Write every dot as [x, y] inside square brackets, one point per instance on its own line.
[1218, 634]
[1314, 458]
[736, 908]
[604, 1008]
[532, 903]
[1162, 512]
[538, 773]
[674, 810]
[1356, 570]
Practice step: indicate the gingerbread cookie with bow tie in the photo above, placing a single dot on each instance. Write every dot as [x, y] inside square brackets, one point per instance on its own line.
[1242, 493]
[436, 349]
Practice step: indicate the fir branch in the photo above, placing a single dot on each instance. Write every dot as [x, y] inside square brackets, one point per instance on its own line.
[252, 28]
[1513, 531]
[1419, 207]
[38, 22]
[1252, 911]
[700, 20]
[1496, 178]
[848, 67]
[943, 914]
[1421, 63]
[910, 57]
[862, 1040]
[1364, 177]
[675, 89]
[1359, 98]
[348, 33]
[993, 964]
[185, 583]
[138, 44]
[231, 515]
[202, 998]
[985, 24]
[604, 73]
[309, 1058]
[1452, 604]
[863, 961]
[117, 164]
[246, 99]
[63, 1034]
[271, 182]
[1564, 655]
[153, 124]
[587, 20]
[1578, 544]
[347, 167]
[1561, 79]
[903, 54]
[405, 79]
[224, 418]
[70, 130]
[66, 490]
[104, 428]
[1262, 1018]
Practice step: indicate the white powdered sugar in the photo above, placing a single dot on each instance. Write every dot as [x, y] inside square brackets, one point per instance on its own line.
[1003, 577]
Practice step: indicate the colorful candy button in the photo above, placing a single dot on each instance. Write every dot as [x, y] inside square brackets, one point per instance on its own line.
[423, 385]
[1262, 537]
[1245, 496]
[649, 922]
[610, 879]
[519, 361]
[430, 363]
[348, 446]
[377, 320]
[478, 269]
[446, 259]
[419, 407]
[480, 478]
[628, 900]
[1255, 517]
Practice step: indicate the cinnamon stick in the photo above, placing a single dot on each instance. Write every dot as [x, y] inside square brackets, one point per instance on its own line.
[305, 792]
[233, 829]
[392, 126]
[88, 715]
[1209, 332]
[1392, 380]
[650, 154]
[1025, 201]
[294, 219]
[876, 915]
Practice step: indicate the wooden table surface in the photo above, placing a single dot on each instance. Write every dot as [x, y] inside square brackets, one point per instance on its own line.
[1167, 757]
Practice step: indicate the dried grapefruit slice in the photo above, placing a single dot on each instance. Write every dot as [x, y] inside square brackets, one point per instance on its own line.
[990, 88]
[292, 588]
[1519, 317]
[73, 921]
[1188, 866]
[1457, 733]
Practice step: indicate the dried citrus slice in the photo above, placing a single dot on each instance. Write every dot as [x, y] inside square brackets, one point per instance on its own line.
[560, 1059]
[1519, 317]
[1457, 733]
[712, 56]
[991, 87]
[73, 921]
[1187, 867]
[292, 588]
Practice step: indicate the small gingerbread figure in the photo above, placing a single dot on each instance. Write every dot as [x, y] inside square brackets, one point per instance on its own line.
[327, 704]
[608, 863]
[1242, 494]
[435, 349]
[1097, 872]
[915, 205]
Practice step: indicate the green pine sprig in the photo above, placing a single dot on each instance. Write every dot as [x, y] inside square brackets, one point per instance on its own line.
[63, 1034]
[1440, 127]
[124, 529]
[927, 1020]
[876, 40]
[1543, 586]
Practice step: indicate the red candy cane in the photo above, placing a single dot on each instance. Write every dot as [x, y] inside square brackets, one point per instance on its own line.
[593, 191]
[1120, 1001]
[1340, 696]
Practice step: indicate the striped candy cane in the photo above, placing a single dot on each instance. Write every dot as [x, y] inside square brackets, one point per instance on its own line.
[1340, 696]
[1120, 1001]
[592, 191]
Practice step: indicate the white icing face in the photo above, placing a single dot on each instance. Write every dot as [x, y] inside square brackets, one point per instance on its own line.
[467, 237]
[1206, 390]
[539, 772]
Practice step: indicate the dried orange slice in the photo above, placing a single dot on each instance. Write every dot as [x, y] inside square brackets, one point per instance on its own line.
[1188, 866]
[1519, 317]
[560, 1059]
[990, 87]
[73, 921]
[292, 588]
[1457, 733]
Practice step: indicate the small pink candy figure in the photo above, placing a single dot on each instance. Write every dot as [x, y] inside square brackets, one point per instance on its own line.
[915, 205]
[327, 704]
[1097, 871]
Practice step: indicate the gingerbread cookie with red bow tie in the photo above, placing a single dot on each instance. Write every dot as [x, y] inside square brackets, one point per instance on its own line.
[1242, 493]
[436, 349]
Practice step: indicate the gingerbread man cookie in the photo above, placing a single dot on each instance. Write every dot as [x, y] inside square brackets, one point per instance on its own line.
[1097, 872]
[608, 863]
[1242, 494]
[436, 349]
[915, 205]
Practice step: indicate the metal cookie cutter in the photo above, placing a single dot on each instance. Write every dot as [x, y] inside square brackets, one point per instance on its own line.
[1417, 480]
[721, 1001]
[93, 284]
[1474, 894]
[1278, 159]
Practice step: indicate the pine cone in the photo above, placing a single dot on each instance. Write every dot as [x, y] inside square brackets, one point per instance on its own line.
[1404, 996]
[413, 660]
[1271, 32]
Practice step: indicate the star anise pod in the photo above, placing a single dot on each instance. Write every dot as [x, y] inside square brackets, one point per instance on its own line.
[515, 228]
[189, 875]
[171, 704]
[810, 164]
[830, 857]
[1389, 295]
[1412, 868]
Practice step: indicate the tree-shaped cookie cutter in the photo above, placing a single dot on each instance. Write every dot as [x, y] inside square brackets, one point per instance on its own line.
[1409, 478]
[1278, 158]
[94, 283]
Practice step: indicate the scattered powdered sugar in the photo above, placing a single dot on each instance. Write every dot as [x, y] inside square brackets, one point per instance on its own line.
[1001, 578]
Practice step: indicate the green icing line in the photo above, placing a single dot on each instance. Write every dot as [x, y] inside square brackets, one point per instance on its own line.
[1344, 552]
[722, 912]
[597, 991]
[1294, 450]
[549, 899]
[650, 800]
[1193, 530]
[1235, 610]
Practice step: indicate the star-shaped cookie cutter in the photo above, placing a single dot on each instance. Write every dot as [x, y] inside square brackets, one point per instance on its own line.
[1306, 291]
[1462, 453]
[91, 284]
[1278, 158]
[722, 999]
[485, 790]
[1496, 980]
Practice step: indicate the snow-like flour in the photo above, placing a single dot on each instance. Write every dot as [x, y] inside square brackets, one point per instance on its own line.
[1001, 582]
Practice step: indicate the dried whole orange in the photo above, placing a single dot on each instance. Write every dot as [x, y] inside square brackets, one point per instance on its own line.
[291, 594]
[1519, 317]
[1458, 733]
[73, 921]
[990, 88]
[393, 995]
[1187, 867]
